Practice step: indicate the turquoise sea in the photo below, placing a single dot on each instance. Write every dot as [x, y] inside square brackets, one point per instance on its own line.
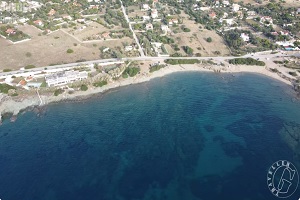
[185, 136]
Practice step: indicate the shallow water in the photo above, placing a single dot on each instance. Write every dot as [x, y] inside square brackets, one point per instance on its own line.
[184, 136]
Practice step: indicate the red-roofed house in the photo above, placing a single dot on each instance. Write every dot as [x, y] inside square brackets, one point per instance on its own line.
[22, 82]
[212, 15]
[38, 22]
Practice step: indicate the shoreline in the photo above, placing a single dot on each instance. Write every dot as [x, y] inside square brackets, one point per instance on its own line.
[8, 105]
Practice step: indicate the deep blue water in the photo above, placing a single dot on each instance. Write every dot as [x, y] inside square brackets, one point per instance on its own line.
[186, 136]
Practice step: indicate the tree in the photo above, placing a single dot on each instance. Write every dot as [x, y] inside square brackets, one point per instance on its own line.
[209, 39]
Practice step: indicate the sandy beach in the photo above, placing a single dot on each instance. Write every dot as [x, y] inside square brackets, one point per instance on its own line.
[8, 105]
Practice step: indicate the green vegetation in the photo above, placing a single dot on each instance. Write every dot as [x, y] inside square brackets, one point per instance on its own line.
[130, 71]
[29, 66]
[293, 73]
[6, 70]
[156, 68]
[83, 87]
[58, 92]
[208, 39]
[274, 70]
[44, 84]
[100, 83]
[246, 61]
[4, 88]
[70, 51]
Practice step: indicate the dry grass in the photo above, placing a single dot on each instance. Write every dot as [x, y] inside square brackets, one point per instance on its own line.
[50, 49]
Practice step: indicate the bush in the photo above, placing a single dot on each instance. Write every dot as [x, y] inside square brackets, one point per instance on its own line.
[83, 87]
[29, 67]
[6, 70]
[70, 51]
[58, 92]
[131, 71]
[209, 39]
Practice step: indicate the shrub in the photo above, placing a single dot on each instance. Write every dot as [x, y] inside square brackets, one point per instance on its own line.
[100, 83]
[209, 39]
[28, 54]
[83, 87]
[70, 51]
[6, 70]
[29, 67]
[156, 68]
[4, 88]
[58, 92]
[293, 73]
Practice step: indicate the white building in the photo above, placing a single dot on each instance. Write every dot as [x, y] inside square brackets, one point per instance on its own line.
[154, 13]
[128, 48]
[149, 26]
[228, 21]
[65, 77]
[164, 28]
[146, 18]
[146, 7]
[245, 37]
[226, 3]
[235, 7]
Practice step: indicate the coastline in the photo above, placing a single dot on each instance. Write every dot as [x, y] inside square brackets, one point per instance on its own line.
[8, 105]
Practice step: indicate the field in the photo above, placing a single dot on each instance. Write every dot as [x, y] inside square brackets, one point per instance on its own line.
[44, 50]
[196, 39]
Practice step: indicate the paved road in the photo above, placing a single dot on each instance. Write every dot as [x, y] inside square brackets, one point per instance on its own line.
[260, 56]
[133, 33]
